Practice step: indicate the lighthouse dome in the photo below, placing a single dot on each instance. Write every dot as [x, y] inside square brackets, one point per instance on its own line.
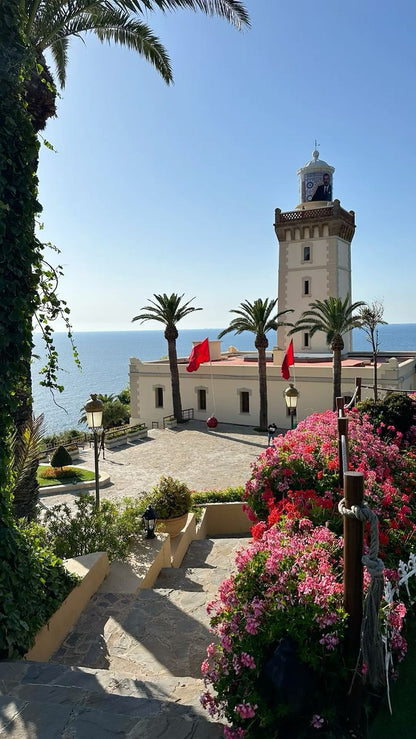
[315, 181]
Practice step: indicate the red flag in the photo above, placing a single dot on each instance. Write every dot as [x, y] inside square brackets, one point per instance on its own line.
[199, 354]
[288, 360]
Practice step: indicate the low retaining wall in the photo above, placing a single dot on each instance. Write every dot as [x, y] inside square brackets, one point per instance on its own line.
[92, 568]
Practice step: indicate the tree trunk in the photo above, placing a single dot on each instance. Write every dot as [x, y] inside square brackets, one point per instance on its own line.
[336, 370]
[171, 334]
[261, 344]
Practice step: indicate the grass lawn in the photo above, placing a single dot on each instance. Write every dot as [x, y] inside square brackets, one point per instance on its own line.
[77, 475]
[402, 723]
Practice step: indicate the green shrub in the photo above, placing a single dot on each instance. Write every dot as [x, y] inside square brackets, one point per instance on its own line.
[63, 438]
[229, 495]
[88, 529]
[396, 409]
[32, 588]
[170, 498]
[61, 457]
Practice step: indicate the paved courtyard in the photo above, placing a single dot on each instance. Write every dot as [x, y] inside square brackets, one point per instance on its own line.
[202, 458]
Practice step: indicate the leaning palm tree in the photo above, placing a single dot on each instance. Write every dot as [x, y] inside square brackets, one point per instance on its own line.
[258, 318]
[334, 317]
[169, 311]
[50, 24]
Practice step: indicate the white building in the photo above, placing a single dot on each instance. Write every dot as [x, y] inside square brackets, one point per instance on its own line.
[314, 264]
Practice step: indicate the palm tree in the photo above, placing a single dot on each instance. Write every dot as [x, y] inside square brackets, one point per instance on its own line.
[335, 318]
[169, 311]
[257, 317]
[50, 24]
[371, 317]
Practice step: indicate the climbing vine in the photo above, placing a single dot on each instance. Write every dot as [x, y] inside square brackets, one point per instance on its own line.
[32, 583]
[20, 253]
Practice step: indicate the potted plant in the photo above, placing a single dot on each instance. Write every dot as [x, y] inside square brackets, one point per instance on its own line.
[172, 501]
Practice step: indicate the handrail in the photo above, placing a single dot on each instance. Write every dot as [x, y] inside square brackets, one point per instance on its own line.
[343, 451]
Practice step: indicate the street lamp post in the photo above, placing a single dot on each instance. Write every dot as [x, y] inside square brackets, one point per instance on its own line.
[94, 411]
[291, 395]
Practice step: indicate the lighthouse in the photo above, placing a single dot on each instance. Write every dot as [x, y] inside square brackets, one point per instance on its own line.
[314, 254]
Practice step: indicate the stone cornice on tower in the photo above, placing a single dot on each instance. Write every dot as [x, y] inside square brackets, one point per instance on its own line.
[331, 220]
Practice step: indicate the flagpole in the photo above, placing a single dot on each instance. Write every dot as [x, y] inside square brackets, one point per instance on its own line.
[212, 387]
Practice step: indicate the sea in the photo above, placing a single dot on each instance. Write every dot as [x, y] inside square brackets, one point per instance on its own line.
[104, 357]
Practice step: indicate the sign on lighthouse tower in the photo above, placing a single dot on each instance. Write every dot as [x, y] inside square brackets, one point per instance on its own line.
[314, 253]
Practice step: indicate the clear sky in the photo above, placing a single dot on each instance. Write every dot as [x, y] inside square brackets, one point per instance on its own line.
[158, 189]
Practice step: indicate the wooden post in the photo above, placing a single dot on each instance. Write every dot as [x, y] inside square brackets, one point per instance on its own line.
[358, 385]
[353, 568]
[342, 431]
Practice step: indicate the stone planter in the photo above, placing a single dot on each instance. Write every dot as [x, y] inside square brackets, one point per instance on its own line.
[172, 526]
[116, 441]
[137, 435]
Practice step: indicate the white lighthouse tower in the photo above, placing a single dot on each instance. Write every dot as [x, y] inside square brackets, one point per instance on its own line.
[314, 253]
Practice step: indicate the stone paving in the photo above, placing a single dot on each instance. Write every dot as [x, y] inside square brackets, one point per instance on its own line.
[203, 458]
[131, 665]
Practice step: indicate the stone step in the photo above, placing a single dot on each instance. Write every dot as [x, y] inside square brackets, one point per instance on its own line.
[214, 552]
[158, 633]
[87, 703]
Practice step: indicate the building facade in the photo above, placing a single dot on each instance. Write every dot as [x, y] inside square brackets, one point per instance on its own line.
[314, 264]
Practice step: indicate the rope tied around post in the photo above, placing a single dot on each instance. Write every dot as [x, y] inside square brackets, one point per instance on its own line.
[371, 643]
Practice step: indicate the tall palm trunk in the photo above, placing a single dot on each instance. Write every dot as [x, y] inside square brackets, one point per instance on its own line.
[337, 347]
[171, 334]
[261, 345]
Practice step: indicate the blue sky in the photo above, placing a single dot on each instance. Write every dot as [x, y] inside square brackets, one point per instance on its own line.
[173, 189]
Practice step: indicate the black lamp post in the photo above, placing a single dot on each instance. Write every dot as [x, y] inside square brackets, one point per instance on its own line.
[291, 395]
[94, 411]
[149, 519]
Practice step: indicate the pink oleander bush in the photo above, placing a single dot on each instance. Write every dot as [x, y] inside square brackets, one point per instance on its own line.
[305, 462]
[288, 586]
[276, 666]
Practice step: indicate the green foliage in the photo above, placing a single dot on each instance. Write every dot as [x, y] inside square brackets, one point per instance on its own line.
[395, 410]
[125, 431]
[124, 396]
[20, 253]
[61, 457]
[170, 498]
[115, 413]
[228, 495]
[50, 308]
[90, 529]
[32, 587]
[64, 437]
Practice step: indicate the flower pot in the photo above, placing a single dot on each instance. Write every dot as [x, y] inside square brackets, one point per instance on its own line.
[172, 526]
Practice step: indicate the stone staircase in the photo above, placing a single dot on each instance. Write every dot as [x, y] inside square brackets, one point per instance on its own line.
[131, 665]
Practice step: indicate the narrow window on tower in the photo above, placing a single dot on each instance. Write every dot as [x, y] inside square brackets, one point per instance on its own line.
[306, 253]
[159, 397]
[306, 287]
[306, 341]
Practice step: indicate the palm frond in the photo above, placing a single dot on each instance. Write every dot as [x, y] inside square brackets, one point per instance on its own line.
[59, 50]
[166, 309]
[232, 10]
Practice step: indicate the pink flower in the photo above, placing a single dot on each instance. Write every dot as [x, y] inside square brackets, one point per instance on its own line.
[233, 733]
[245, 710]
[317, 721]
[247, 660]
